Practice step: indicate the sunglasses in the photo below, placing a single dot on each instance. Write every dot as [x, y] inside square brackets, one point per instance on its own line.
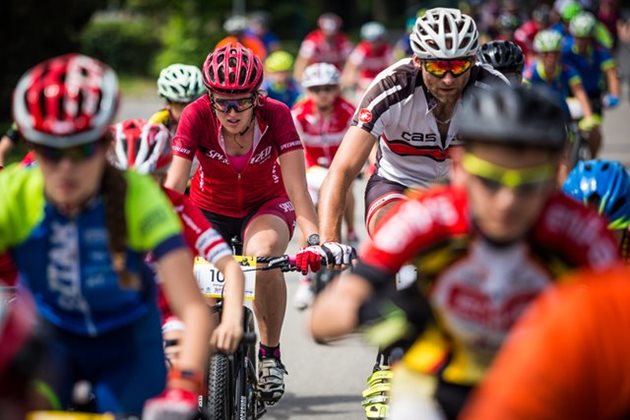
[238, 105]
[439, 68]
[76, 154]
[521, 181]
[326, 88]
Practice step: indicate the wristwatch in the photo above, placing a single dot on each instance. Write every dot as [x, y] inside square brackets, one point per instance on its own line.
[313, 239]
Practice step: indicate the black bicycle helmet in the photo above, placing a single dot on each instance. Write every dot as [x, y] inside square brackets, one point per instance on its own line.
[504, 56]
[513, 116]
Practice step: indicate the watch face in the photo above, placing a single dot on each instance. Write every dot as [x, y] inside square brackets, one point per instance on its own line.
[313, 239]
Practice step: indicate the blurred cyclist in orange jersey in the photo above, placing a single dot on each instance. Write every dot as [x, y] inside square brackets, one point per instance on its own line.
[567, 358]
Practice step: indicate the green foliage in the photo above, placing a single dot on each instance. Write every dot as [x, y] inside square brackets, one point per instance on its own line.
[126, 43]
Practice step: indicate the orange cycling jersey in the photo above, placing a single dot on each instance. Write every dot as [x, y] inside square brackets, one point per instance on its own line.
[567, 358]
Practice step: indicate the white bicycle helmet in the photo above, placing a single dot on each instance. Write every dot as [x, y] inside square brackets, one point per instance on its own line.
[320, 74]
[372, 31]
[235, 24]
[141, 146]
[548, 41]
[180, 83]
[444, 33]
[582, 25]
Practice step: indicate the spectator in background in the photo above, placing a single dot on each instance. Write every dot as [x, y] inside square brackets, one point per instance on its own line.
[326, 44]
[279, 83]
[371, 56]
[236, 28]
[259, 27]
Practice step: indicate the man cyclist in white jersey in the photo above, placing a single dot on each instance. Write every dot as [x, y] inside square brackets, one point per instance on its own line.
[408, 110]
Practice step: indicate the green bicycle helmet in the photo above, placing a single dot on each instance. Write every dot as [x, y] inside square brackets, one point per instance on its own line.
[582, 25]
[279, 61]
[570, 10]
[180, 83]
[548, 41]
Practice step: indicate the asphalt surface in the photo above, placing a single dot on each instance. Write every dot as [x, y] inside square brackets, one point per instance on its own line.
[325, 382]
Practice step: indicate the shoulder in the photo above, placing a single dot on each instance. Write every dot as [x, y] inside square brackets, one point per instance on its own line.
[395, 83]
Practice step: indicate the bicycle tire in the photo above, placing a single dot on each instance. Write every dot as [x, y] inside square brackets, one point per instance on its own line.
[246, 376]
[219, 404]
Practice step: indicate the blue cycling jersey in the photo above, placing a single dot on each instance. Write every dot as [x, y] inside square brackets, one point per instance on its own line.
[288, 94]
[559, 83]
[590, 66]
[66, 261]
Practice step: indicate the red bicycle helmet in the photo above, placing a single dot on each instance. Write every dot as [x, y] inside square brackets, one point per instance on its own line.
[66, 101]
[141, 146]
[232, 69]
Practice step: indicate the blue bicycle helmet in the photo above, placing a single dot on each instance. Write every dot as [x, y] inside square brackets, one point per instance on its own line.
[604, 185]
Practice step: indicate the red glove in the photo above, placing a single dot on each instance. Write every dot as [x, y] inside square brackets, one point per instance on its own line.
[310, 257]
[172, 404]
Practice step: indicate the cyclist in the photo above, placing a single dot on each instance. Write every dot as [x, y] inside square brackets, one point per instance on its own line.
[567, 358]
[408, 111]
[326, 44]
[179, 85]
[370, 57]
[250, 182]
[605, 186]
[237, 33]
[505, 57]
[321, 120]
[549, 71]
[526, 33]
[279, 83]
[484, 247]
[78, 229]
[146, 149]
[595, 65]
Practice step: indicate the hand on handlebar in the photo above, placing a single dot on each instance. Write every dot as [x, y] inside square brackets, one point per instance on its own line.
[588, 124]
[329, 254]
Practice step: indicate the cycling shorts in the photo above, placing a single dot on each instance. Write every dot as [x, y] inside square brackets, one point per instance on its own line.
[230, 227]
[380, 192]
[125, 366]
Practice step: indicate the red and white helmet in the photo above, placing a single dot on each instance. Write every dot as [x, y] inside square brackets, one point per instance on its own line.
[232, 69]
[66, 101]
[141, 146]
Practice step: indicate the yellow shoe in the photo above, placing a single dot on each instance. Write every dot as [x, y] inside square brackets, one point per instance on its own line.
[376, 396]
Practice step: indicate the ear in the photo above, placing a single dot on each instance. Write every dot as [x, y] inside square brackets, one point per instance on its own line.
[417, 61]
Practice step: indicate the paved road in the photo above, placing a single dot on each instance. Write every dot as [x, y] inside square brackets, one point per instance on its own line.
[325, 382]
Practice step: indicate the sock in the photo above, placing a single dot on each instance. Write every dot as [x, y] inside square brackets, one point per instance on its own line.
[265, 352]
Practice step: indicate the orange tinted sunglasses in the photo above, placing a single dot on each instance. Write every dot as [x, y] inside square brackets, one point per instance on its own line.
[439, 68]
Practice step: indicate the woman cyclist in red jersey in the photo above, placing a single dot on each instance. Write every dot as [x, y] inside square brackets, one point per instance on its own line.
[251, 183]
[146, 148]
[78, 230]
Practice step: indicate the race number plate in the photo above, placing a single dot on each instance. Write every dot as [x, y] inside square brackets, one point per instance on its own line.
[211, 281]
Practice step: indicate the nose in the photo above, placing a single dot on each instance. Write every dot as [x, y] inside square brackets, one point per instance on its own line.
[448, 79]
[505, 199]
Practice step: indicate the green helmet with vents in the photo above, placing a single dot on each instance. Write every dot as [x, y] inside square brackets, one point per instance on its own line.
[548, 41]
[582, 25]
[180, 83]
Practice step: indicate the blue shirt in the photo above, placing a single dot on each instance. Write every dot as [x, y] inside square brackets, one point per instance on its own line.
[286, 94]
[590, 66]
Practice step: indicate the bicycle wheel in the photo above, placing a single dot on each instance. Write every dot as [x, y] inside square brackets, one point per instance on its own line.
[246, 376]
[219, 405]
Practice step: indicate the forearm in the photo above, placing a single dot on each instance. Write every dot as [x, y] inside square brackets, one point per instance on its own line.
[580, 95]
[332, 201]
[234, 288]
[177, 176]
[613, 82]
[6, 145]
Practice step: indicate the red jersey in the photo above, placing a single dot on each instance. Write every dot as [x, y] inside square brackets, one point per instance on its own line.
[371, 59]
[202, 239]
[321, 136]
[216, 186]
[316, 48]
[476, 289]
[524, 36]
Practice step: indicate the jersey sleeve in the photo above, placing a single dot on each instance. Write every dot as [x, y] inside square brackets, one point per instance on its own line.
[372, 113]
[198, 231]
[572, 76]
[21, 203]
[606, 60]
[152, 222]
[407, 229]
[357, 56]
[285, 134]
[307, 48]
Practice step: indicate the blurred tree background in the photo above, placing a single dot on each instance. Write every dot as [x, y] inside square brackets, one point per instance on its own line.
[139, 37]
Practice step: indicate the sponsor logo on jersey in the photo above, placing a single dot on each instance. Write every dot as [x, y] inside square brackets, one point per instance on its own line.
[262, 156]
[365, 116]
[213, 154]
[419, 137]
[286, 207]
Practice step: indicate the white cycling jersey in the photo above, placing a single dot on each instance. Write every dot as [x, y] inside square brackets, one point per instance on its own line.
[396, 109]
